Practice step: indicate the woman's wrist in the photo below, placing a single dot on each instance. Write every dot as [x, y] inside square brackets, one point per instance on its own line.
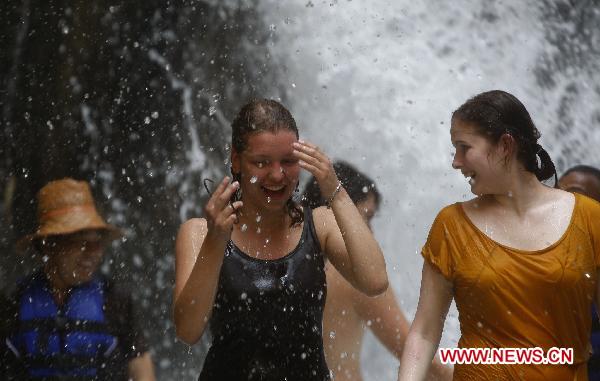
[329, 201]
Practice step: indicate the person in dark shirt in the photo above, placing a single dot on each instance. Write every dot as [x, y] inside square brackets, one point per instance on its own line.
[260, 283]
[585, 180]
[67, 321]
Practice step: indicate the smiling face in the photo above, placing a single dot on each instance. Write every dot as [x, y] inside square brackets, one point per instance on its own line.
[481, 162]
[269, 171]
[74, 258]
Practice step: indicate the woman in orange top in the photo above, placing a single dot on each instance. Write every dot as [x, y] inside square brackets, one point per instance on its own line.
[520, 259]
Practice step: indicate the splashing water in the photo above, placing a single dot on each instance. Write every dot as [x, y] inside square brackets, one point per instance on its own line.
[406, 69]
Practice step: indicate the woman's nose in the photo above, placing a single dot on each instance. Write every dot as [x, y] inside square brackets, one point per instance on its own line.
[276, 172]
[456, 162]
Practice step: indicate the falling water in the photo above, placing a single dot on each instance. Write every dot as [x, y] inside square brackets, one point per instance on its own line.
[137, 99]
[383, 78]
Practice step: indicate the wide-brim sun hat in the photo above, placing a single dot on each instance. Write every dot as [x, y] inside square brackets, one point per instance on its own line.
[65, 207]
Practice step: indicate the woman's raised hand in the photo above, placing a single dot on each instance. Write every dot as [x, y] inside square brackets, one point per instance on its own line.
[220, 212]
[318, 164]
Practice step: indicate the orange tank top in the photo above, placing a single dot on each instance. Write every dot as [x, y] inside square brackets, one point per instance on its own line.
[510, 298]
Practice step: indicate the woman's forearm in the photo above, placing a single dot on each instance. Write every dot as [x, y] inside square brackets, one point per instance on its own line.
[416, 359]
[364, 253]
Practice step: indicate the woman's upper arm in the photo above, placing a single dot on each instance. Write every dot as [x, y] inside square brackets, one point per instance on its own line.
[332, 243]
[187, 246]
[434, 301]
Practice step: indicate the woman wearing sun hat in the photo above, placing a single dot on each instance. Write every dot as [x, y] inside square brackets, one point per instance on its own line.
[66, 320]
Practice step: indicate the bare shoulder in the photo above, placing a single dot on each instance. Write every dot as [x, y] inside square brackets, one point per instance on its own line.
[193, 230]
[561, 199]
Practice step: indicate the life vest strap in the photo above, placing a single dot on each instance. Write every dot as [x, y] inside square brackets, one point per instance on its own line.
[50, 325]
[66, 363]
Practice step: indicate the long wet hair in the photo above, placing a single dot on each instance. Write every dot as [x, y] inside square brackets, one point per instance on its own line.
[263, 115]
[357, 185]
[495, 113]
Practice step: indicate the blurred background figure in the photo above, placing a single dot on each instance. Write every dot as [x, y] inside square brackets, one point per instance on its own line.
[348, 313]
[66, 320]
[585, 180]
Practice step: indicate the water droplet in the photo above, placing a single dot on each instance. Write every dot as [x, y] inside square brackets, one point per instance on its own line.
[258, 218]
[147, 120]
[154, 115]
[212, 110]
[258, 230]
[268, 199]
[243, 296]
[303, 355]
[253, 179]
[244, 228]
[332, 334]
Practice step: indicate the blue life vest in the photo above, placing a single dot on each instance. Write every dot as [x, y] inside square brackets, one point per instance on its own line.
[62, 341]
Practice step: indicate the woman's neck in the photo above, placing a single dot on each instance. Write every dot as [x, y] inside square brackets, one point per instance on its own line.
[522, 192]
[268, 221]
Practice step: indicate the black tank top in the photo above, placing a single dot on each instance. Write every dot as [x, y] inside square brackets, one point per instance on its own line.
[266, 322]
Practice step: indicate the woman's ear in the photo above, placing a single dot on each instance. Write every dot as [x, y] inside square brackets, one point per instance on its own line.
[506, 146]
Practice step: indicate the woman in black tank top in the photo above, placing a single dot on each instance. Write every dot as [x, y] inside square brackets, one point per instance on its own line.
[253, 269]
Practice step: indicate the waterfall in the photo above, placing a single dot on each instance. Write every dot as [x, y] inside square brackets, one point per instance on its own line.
[375, 83]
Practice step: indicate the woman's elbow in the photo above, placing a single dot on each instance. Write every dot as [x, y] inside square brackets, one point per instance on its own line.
[376, 287]
[186, 335]
[189, 334]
